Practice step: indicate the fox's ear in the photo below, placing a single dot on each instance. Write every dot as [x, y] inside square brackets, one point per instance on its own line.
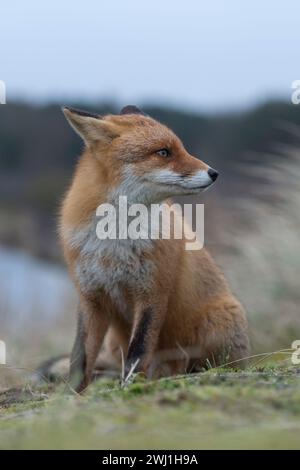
[91, 127]
[131, 109]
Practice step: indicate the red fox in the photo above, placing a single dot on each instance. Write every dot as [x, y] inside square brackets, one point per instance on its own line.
[163, 309]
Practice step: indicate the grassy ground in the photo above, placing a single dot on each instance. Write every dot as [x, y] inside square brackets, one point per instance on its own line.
[257, 246]
[255, 409]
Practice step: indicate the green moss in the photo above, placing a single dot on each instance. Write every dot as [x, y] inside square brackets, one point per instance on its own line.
[217, 409]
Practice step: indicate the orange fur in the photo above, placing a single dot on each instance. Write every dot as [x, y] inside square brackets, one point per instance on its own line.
[184, 315]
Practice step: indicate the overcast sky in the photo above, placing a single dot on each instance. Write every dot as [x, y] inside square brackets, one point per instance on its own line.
[200, 54]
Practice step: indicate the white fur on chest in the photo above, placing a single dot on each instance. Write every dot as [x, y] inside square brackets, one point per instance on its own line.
[111, 264]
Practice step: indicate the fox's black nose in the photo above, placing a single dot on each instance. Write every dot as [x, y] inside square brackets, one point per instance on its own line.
[213, 174]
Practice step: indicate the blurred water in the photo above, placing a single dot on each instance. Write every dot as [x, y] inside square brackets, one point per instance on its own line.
[31, 287]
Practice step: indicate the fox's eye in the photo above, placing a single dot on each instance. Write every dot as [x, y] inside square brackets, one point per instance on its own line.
[163, 152]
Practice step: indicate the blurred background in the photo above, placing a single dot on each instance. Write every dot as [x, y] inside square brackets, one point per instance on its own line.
[220, 75]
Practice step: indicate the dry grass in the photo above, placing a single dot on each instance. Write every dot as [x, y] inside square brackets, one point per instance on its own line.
[263, 261]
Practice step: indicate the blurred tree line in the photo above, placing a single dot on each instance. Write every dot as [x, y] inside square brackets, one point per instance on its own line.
[38, 151]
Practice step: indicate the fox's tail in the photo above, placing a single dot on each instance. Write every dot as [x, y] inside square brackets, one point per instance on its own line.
[53, 370]
[56, 370]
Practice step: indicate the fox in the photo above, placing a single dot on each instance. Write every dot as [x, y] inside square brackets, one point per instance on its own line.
[146, 307]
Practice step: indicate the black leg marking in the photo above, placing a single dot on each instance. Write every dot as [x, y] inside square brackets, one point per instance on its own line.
[138, 345]
[78, 356]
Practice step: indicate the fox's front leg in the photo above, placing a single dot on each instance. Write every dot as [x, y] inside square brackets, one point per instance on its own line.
[147, 325]
[91, 329]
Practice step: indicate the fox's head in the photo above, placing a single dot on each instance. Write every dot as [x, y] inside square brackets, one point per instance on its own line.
[140, 157]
